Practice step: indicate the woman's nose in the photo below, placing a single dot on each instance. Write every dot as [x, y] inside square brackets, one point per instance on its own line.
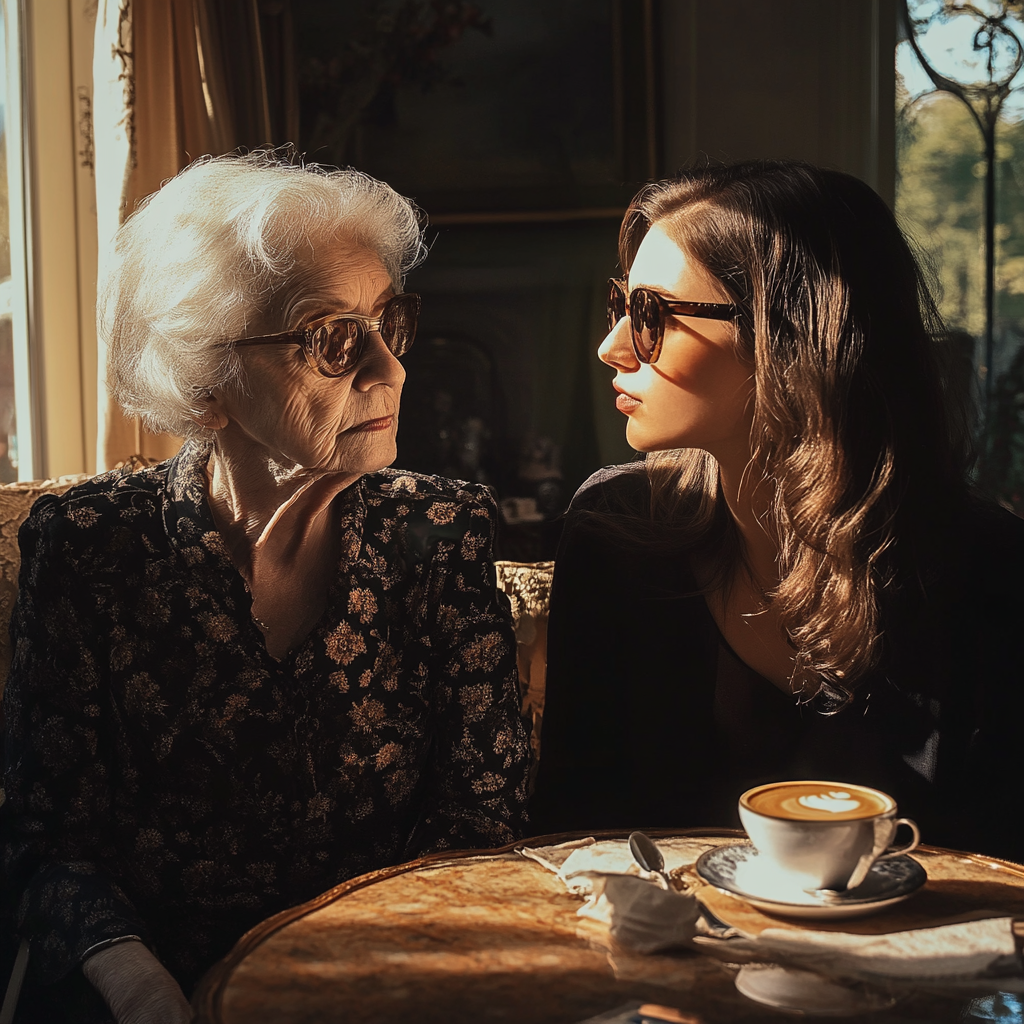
[617, 348]
[378, 365]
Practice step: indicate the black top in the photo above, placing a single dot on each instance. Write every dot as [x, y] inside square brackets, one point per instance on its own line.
[651, 721]
[166, 777]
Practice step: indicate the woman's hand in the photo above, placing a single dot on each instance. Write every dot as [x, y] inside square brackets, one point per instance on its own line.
[136, 986]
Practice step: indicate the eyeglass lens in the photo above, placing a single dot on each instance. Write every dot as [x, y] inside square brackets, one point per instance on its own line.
[337, 346]
[616, 303]
[645, 317]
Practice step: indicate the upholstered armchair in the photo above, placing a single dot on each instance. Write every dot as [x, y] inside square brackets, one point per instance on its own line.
[16, 501]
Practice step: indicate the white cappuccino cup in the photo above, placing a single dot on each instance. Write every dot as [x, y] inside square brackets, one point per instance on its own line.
[822, 835]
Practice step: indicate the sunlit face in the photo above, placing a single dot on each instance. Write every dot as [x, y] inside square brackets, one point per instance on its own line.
[699, 393]
[292, 415]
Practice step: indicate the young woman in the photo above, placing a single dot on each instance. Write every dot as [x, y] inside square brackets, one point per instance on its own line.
[796, 582]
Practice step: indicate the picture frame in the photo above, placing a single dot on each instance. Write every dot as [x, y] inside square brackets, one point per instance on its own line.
[536, 111]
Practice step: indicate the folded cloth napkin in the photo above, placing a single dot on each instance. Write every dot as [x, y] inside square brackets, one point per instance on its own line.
[644, 918]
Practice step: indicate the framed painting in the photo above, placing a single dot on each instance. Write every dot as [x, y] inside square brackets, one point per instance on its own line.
[495, 110]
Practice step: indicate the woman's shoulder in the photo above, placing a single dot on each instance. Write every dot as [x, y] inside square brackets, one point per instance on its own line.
[420, 511]
[399, 493]
[96, 503]
[623, 490]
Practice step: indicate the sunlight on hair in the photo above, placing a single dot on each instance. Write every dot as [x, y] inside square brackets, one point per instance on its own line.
[204, 257]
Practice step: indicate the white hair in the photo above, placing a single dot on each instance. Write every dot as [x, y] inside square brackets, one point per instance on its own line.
[205, 256]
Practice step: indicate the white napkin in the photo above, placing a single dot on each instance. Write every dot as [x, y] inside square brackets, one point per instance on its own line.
[578, 862]
[946, 953]
[641, 916]
[644, 917]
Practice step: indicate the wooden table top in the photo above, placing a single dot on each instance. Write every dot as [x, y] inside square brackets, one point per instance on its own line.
[494, 937]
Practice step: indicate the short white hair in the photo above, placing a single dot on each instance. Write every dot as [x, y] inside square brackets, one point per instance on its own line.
[205, 256]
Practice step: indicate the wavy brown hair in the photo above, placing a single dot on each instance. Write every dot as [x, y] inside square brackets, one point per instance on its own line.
[850, 421]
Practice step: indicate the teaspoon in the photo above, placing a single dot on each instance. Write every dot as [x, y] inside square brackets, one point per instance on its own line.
[646, 853]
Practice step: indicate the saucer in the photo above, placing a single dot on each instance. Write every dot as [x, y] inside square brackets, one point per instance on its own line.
[803, 992]
[736, 870]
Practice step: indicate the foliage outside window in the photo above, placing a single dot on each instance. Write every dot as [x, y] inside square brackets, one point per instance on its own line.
[941, 172]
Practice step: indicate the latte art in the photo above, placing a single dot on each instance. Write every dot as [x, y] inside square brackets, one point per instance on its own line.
[817, 801]
[833, 802]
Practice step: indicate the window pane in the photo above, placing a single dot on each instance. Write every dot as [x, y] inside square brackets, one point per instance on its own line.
[14, 374]
[940, 199]
[8, 420]
[5, 214]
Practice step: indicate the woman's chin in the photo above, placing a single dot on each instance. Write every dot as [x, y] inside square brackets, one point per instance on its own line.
[377, 457]
[647, 441]
[639, 441]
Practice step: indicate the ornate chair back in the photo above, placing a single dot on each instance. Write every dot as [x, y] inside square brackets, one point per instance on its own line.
[528, 586]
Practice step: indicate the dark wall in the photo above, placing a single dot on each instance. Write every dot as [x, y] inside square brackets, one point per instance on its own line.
[803, 79]
[523, 127]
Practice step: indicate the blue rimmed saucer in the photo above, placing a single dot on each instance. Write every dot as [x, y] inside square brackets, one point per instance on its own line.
[736, 870]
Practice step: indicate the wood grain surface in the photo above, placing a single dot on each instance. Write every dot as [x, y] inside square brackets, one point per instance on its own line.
[493, 937]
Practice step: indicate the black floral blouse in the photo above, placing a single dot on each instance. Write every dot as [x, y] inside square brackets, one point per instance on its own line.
[167, 778]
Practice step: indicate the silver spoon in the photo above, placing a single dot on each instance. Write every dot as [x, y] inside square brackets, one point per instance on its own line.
[646, 853]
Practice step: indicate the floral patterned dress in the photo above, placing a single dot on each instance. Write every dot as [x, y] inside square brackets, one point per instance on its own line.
[167, 778]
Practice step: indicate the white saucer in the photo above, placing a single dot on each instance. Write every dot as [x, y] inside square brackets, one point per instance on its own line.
[736, 870]
[806, 993]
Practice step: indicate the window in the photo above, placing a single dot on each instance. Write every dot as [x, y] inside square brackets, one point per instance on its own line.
[942, 175]
[16, 448]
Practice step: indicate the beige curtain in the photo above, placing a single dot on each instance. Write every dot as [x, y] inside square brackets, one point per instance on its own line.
[173, 80]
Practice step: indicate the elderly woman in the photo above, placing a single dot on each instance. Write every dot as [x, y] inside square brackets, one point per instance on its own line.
[268, 664]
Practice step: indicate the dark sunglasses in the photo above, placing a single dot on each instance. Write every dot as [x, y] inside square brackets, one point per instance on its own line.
[648, 311]
[334, 344]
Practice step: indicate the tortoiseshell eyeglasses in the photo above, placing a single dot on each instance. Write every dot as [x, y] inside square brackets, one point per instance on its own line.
[648, 311]
[334, 344]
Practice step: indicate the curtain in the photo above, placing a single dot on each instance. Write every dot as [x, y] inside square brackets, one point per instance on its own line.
[172, 80]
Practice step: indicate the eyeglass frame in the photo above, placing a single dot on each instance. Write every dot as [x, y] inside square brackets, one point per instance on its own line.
[303, 336]
[670, 307]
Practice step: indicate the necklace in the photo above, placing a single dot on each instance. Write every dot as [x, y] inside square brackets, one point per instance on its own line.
[259, 622]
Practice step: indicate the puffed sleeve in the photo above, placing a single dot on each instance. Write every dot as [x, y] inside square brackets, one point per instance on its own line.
[477, 787]
[58, 854]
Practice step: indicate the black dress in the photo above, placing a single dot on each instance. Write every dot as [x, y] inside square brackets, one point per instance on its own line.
[651, 721]
[167, 778]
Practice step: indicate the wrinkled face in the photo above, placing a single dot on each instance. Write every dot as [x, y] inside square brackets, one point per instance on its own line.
[287, 412]
[699, 394]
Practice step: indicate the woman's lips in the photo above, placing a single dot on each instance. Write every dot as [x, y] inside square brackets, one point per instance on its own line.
[627, 403]
[372, 426]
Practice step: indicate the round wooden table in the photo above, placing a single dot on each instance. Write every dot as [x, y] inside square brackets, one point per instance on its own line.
[494, 937]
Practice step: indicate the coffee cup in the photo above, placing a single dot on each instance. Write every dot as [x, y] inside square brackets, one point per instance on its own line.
[822, 835]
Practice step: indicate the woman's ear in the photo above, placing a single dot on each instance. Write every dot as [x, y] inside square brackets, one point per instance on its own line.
[212, 416]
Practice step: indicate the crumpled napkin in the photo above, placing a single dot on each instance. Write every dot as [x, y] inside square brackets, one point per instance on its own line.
[640, 914]
[645, 918]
